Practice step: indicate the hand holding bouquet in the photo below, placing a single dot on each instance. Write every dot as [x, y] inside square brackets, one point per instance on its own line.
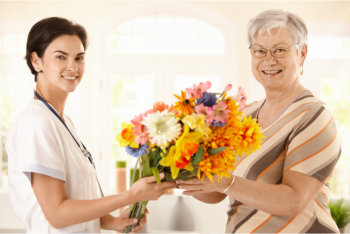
[200, 135]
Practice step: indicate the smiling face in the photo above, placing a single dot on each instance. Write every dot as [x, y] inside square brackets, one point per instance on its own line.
[278, 73]
[62, 65]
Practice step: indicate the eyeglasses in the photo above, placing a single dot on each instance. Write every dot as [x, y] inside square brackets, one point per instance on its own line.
[278, 52]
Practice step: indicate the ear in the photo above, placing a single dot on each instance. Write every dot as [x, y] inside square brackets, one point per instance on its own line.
[36, 62]
[303, 53]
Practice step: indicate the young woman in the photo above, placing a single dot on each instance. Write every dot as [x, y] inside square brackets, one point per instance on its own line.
[52, 179]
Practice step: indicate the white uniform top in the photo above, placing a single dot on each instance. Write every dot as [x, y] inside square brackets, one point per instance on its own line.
[38, 142]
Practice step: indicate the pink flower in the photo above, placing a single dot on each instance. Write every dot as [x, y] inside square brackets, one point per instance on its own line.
[228, 88]
[241, 98]
[140, 129]
[221, 112]
[206, 111]
[198, 90]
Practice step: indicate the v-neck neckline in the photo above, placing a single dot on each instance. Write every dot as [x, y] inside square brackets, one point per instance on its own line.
[281, 114]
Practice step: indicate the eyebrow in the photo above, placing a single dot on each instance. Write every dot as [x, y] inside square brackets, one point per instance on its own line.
[62, 52]
[278, 44]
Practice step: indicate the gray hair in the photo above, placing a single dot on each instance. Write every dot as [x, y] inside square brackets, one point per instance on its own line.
[270, 19]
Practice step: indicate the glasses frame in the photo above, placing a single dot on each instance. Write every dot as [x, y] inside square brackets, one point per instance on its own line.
[288, 48]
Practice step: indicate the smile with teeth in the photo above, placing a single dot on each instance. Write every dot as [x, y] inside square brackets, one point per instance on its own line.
[70, 77]
[271, 71]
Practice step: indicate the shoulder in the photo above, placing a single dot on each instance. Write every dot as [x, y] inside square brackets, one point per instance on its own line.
[34, 118]
[313, 107]
[316, 119]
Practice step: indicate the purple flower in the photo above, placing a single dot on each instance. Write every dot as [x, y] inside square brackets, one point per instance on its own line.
[208, 99]
[217, 124]
[137, 152]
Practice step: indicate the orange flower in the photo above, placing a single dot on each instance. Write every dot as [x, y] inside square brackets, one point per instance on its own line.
[160, 106]
[185, 105]
[190, 148]
[238, 136]
[218, 164]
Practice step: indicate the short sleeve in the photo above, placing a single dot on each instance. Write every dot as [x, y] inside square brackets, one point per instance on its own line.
[39, 148]
[314, 145]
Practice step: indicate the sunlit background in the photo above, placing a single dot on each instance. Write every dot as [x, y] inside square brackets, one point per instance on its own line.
[145, 51]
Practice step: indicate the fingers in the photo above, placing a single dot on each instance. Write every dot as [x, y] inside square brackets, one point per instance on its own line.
[152, 179]
[191, 186]
[129, 221]
[168, 184]
[141, 224]
[192, 192]
[190, 181]
[125, 213]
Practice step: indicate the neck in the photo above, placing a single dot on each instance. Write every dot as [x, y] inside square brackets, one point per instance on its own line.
[56, 99]
[283, 97]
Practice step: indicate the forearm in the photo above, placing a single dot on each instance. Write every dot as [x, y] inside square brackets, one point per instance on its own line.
[211, 198]
[71, 212]
[275, 199]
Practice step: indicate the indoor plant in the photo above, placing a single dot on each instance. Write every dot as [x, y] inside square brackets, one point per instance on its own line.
[340, 212]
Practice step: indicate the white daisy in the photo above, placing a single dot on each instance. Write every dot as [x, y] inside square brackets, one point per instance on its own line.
[162, 128]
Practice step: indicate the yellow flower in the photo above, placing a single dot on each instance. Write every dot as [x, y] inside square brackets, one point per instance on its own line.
[175, 151]
[127, 137]
[197, 123]
[249, 137]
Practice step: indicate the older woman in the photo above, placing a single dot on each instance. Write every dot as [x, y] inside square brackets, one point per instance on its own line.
[284, 186]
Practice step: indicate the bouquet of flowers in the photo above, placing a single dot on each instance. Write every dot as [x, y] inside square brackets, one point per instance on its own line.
[201, 135]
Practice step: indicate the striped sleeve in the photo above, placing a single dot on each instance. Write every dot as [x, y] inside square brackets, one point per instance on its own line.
[314, 145]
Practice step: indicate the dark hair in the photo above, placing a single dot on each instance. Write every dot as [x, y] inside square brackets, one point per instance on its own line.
[45, 31]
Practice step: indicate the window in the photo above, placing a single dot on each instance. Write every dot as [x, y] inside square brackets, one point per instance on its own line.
[6, 115]
[10, 44]
[332, 85]
[166, 35]
[127, 102]
[336, 93]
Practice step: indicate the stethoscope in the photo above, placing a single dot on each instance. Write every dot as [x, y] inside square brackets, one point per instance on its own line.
[83, 148]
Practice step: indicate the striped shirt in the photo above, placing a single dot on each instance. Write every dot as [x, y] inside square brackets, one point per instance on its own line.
[304, 139]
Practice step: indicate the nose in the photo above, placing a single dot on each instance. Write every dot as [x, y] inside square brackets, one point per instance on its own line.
[72, 65]
[269, 58]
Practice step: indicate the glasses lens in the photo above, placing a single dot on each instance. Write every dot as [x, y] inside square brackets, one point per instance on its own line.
[258, 51]
[279, 52]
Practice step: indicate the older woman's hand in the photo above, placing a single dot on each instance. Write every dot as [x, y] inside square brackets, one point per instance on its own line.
[196, 186]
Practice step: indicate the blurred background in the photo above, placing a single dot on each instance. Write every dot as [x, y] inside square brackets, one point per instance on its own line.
[144, 51]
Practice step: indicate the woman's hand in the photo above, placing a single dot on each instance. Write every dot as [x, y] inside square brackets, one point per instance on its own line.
[196, 186]
[119, 223]
[147, 188]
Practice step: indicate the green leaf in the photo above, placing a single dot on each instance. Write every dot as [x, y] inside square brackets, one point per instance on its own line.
[216, 150]
[155, 157]
[155, 172]
[199, 155]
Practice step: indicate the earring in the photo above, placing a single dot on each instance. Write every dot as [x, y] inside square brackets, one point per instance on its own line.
[302, 70]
